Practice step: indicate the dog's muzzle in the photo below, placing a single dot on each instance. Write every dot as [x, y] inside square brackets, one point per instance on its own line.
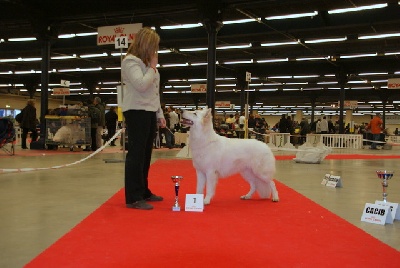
[187, 122]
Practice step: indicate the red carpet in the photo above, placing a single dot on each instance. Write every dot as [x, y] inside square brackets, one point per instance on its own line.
[294, 232]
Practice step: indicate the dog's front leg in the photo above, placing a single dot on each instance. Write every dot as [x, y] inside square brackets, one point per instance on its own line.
[201, 182]
[212, 178]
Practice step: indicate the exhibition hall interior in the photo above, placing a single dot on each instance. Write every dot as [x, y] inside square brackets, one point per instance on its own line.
[63, 204]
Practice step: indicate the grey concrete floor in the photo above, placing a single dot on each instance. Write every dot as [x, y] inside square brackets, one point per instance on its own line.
[38, 207]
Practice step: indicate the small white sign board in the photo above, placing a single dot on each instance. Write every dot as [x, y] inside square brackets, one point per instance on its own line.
[332, 181]
[64, 83]
[194, 202]
[325, 179]
[248, 77]
[377, 214]
[394, 208]
[121, 42]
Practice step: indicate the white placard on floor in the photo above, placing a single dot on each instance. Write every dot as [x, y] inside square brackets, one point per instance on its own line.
[377, 214]
[325, 179]
[194, 202]
[332, 181]
[394, 208]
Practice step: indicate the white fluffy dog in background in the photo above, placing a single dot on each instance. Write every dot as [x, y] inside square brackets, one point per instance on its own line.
[69, 134]
[217, 157]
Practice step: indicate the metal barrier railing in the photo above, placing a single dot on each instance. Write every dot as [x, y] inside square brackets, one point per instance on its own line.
[353, 141]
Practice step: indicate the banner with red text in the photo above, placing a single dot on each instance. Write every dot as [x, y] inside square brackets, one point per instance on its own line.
[106, 35]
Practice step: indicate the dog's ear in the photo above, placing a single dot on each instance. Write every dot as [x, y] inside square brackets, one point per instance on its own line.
[207, 117]
[208, 113]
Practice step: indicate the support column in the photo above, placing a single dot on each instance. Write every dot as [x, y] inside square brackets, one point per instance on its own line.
[241, 86]
[313, 100]
[342, 78]
[349, 120]
[212, 21]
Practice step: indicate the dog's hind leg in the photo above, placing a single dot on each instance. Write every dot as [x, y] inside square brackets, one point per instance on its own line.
[275, 196]
[249, 177]
[250, 193]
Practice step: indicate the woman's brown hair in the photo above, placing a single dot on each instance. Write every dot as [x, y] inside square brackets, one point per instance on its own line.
[144, 46]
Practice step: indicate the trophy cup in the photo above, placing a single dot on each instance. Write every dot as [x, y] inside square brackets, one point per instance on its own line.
[384, 175]
[176, 180]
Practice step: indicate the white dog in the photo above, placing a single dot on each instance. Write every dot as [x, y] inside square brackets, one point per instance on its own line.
[217, 157]
[69, 134]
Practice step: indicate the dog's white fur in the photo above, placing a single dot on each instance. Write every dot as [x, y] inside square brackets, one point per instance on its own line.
[69, 134]
[217, 157]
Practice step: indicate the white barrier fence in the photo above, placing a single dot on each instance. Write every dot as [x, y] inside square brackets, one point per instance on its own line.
[278, 139]
[352, 141]
[393, 139]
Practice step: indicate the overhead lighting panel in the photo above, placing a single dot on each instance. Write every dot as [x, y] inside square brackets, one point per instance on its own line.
[279, 44]
[240, 21]
[22, 39]
[353, 9]
[325, 40]
[182, 26]
[293, 16]
[378, 36]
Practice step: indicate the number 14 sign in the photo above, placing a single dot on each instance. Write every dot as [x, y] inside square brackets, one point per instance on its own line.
[194, 202]
[121, 42]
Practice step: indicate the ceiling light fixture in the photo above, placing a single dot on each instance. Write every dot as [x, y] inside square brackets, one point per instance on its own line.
[378, 36]
[240, 21]
[293, 16]
[239, 62]
[104, 54]
[234, 46]
[272, 60]
[181, 26]
[353, 9]
[174, 65]
[358, 55]
[22, 39]
[279, 44]
[64, 57]
[325, 40]
[194, 49]
[311, 58]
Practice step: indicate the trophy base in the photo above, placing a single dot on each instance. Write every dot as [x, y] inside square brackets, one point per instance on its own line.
[176, 208]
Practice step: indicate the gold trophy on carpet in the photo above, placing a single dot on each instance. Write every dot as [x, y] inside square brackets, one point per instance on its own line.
[384, 175]
[176, 180]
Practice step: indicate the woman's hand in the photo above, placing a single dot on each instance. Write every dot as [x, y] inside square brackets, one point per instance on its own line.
[154, 61]
[162, 123]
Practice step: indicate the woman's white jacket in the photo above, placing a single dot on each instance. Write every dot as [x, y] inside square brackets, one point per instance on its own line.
[141, 86]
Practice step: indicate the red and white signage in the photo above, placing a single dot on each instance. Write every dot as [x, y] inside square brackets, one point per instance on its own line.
[394, 83]
[199, 88]
[61, 91]
[349, 104]
[106, 35]
[223, 104]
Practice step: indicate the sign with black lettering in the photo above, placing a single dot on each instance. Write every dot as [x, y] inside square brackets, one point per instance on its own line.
[194, 202]
[248, 77]
[394, 208]
[121, 42]
[332, 181]
[106, 35]
[377, 214]
[325, 179]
